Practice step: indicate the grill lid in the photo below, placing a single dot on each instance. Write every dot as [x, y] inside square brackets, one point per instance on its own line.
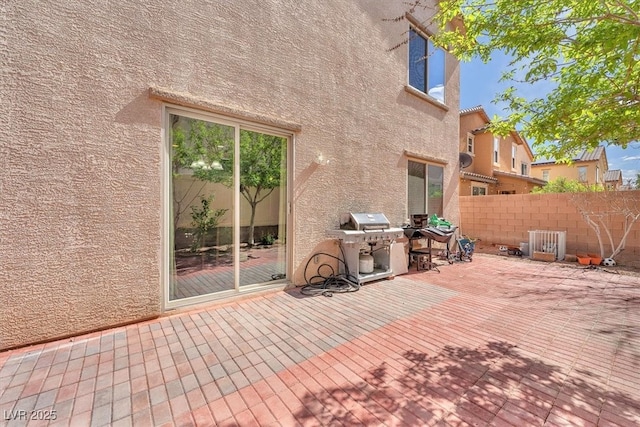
[363, 221]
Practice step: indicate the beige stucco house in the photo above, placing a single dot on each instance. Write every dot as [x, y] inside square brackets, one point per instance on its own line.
[128, 125]
[498, 164]
[589, 167]
[613, 179]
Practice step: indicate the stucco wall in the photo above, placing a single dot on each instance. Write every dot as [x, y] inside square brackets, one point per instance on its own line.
[506, 219]
[81, 228]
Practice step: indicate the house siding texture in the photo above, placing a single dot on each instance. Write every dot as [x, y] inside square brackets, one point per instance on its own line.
[82, 146]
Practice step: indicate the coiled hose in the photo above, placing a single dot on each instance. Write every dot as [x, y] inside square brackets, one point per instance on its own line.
[327, 281]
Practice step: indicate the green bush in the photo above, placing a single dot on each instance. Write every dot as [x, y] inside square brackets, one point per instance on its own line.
[564, 185]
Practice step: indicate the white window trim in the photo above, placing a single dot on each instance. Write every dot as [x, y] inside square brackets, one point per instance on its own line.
[416, 26]
[480, 185]
[514, 157]
[495, 154]
[420, 94]
[426, 162]
[166, 200]
[471, 137]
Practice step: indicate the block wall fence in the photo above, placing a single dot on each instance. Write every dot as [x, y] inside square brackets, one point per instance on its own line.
[507, 219]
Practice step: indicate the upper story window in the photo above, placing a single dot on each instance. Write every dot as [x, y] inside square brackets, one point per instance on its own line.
[597, 175]
[470, 143]
[524, 169]
[545, 174]
[496, 150]
[582, 173]
[514, 151]
[426, 66]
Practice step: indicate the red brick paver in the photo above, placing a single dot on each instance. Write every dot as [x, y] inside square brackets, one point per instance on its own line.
[496, 341]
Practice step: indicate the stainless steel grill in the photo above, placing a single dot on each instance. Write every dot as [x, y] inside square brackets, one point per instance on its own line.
[366, 240]
[364, 221]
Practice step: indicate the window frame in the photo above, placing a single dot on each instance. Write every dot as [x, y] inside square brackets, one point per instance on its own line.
[426, 208]
[496, 150]
[479, 186]
[429, 51]
[471, 143]
[582, 174]
[238, 123]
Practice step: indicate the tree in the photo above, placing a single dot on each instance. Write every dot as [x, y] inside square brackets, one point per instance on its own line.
[564, 185]
[261, 158]
[198, 148]
[589, 50]
[206, 150]
[204, 219]
[605, 211]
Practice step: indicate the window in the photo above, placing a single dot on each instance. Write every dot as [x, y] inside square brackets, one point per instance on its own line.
[425, 188]
[426, 66]
[582, 173]
[496, 150]
[215, 165]
[470, 143]
[545, 174]
[524, 169]
[514, 150]
[478, 191]
[597, 175]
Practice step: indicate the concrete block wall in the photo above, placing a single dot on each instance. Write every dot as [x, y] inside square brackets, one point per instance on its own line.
[507, 219]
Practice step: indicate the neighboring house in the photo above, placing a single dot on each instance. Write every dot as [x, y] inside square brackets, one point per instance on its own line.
[589, 168]
[123, 123]
[499, 165]
[613, 179]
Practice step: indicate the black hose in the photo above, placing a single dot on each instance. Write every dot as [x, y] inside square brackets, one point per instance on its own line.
[329, 283]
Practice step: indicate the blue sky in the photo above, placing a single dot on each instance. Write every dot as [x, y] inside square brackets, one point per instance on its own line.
[479, 86]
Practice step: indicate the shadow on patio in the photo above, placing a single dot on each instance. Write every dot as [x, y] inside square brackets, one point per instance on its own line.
[493, 384]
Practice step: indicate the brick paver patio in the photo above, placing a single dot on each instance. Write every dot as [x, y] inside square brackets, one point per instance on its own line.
[498, 341]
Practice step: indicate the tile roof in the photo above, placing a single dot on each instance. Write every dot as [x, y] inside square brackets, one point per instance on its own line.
[613, 175]
[527, 178]
[585, 156]
[478, 177]
[475, 109]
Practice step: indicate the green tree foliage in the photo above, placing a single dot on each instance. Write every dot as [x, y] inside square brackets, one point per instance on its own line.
[204, 219]
[261, 167]
[200, 148]
[588, 50]
[206, 149]
[564, 185]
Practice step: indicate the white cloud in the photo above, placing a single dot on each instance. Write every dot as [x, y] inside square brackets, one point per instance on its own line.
[629, 158]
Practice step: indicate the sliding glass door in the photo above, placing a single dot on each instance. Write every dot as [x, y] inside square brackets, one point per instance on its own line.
[227, 208]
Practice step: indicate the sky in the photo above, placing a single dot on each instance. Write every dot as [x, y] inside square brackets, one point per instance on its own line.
[479, 84]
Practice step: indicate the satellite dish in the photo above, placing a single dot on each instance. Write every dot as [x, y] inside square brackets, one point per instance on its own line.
[465, 160]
